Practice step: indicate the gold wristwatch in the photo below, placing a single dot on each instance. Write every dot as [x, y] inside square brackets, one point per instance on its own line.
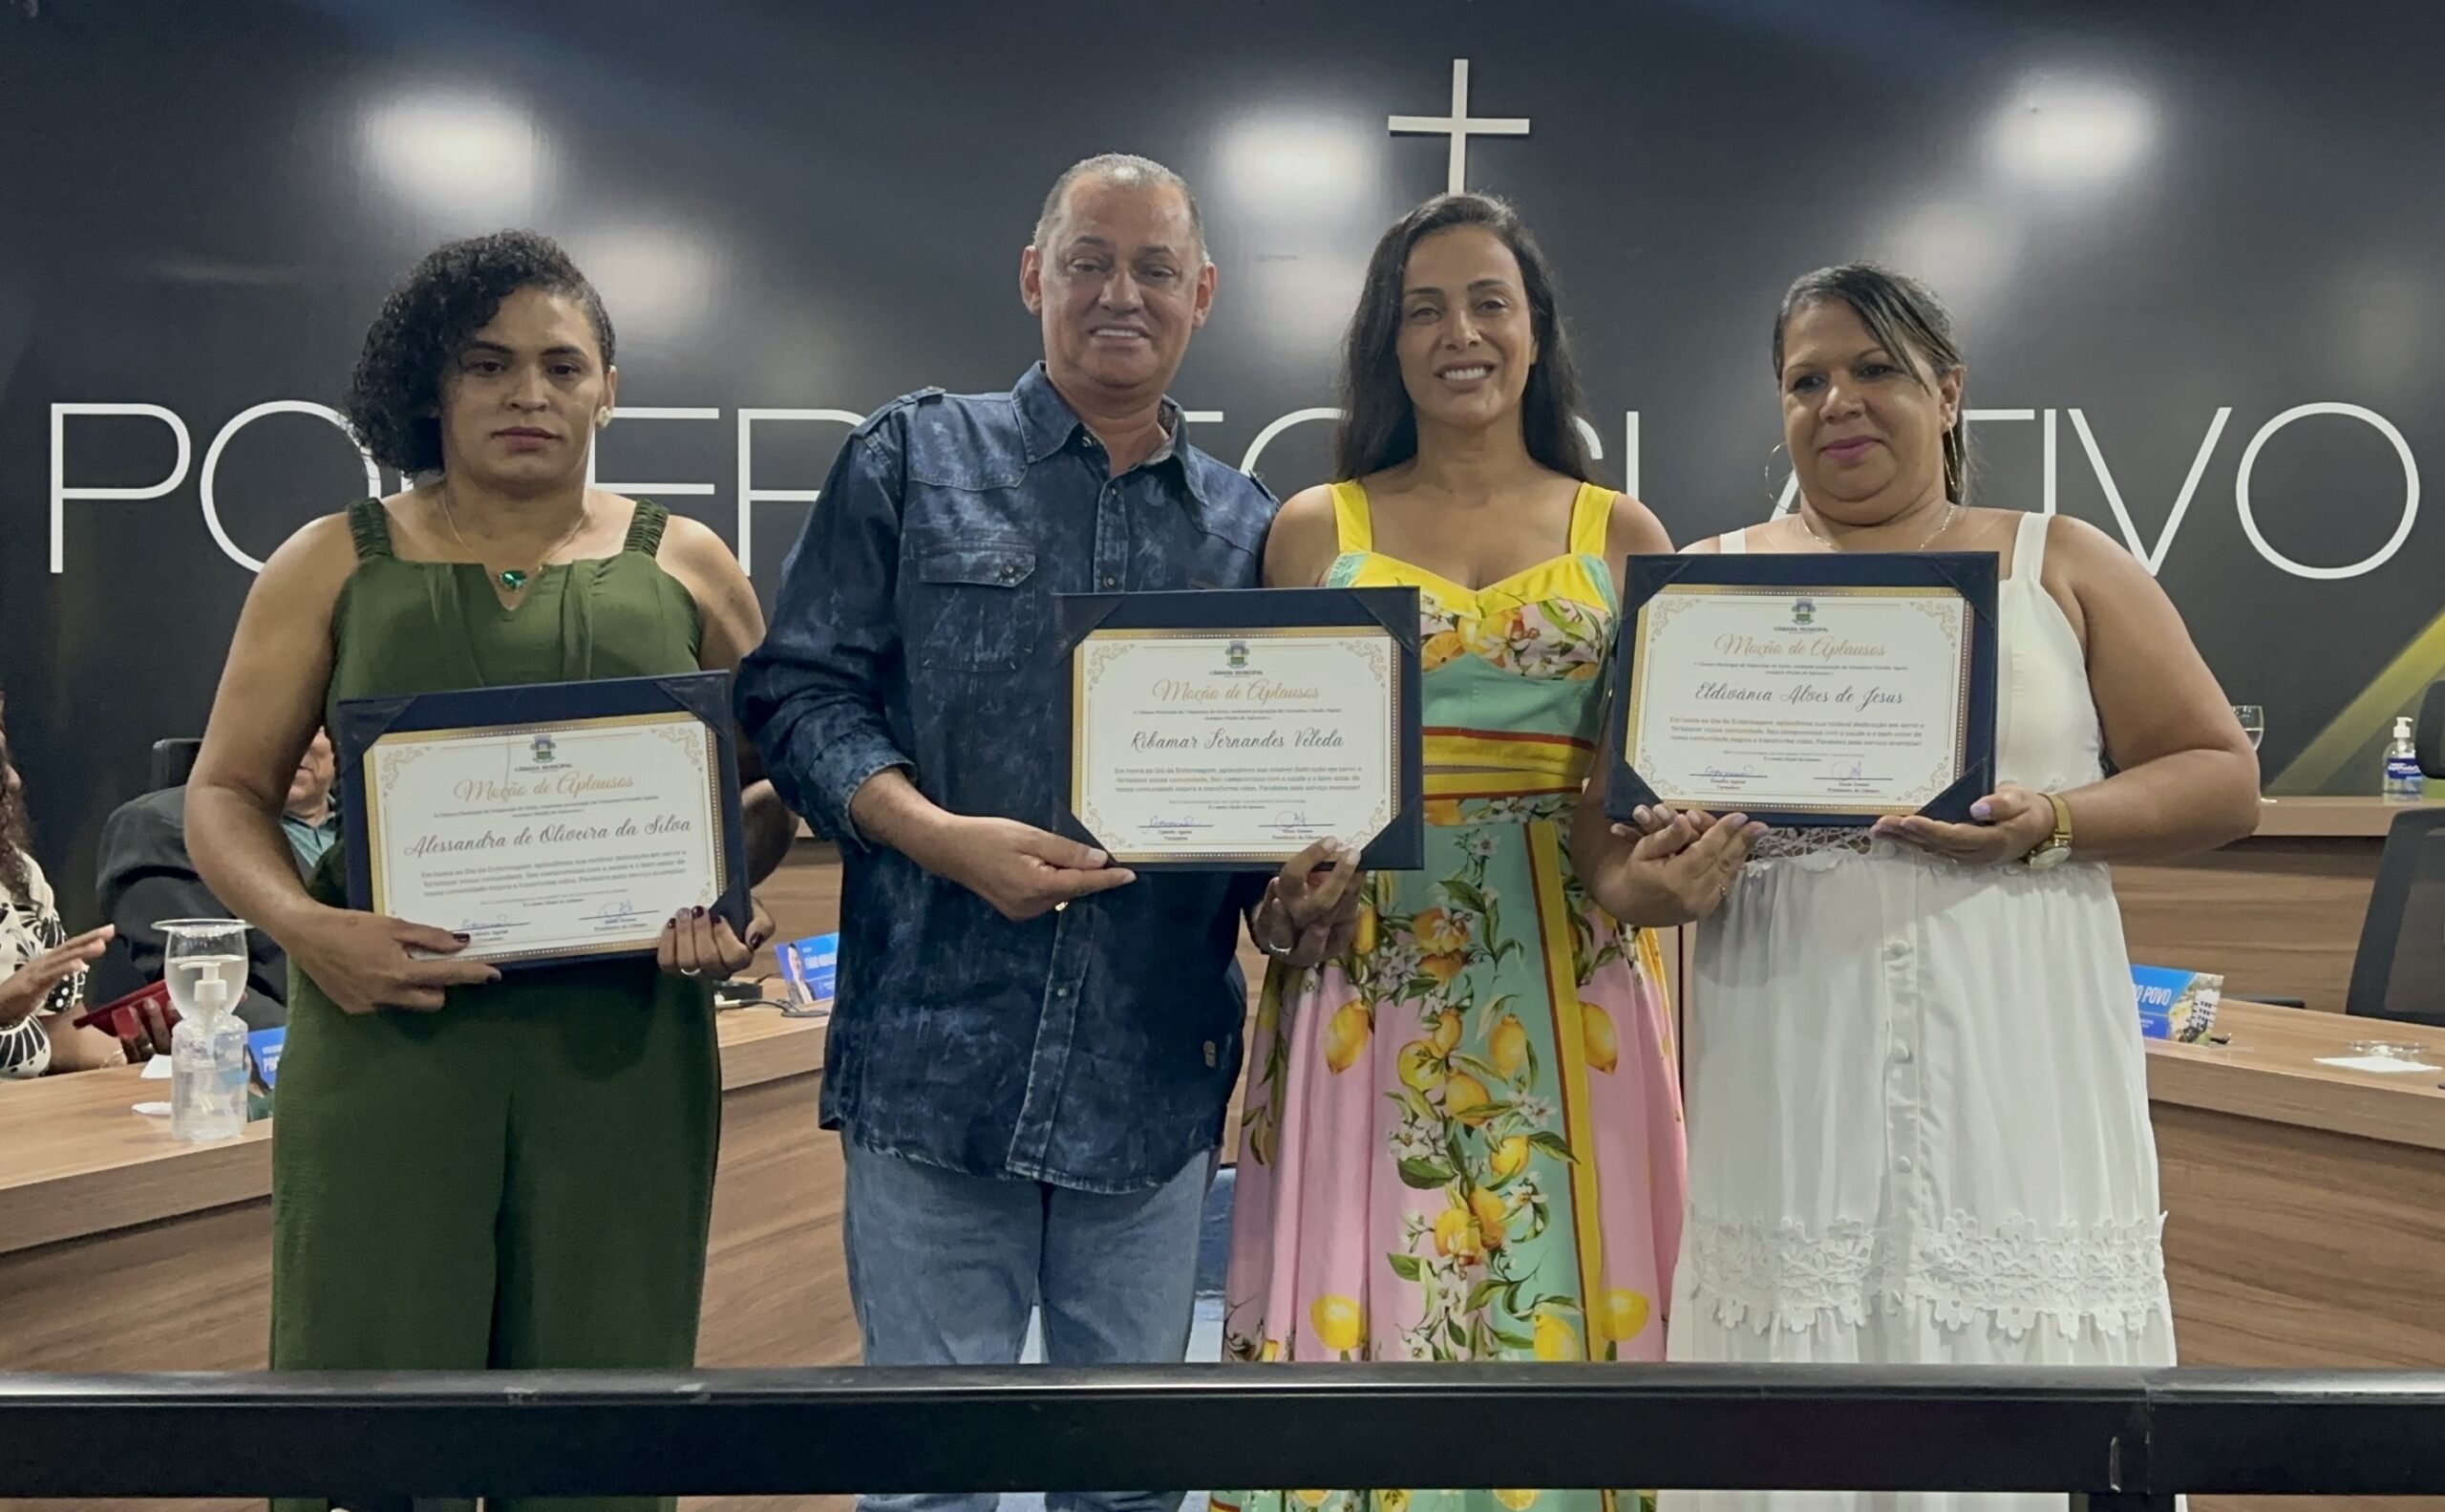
[2057, 848]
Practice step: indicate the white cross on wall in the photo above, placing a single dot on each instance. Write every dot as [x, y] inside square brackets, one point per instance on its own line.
[1459, 126]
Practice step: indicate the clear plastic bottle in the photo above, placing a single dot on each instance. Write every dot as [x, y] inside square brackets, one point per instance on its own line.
[208, 1062]
[2404, 783]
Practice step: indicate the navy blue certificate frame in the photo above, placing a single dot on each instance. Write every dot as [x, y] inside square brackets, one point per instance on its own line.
[1970, 574]
[1401, 845]
[360, 722]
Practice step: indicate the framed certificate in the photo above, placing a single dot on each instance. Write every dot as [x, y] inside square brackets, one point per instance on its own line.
[555, 822]
[1228, 730]
[1806, 689]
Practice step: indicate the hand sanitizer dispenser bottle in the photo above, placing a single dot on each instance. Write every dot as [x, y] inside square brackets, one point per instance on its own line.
[208, 1063]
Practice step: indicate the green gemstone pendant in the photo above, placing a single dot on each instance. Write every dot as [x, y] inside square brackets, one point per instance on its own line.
[513, 580]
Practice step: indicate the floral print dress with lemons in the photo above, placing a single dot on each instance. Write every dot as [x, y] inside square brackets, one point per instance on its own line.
[1464, 1140]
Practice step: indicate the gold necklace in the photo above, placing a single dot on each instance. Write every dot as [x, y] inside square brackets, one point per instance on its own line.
[1943, 524]
[511, 578]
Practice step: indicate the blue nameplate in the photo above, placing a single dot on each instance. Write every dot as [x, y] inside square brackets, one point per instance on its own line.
[2175, 1004]
[809, 966]
[262, 1070]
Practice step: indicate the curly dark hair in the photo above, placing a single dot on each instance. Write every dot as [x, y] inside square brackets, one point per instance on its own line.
[1379, 428]
[16, 831]
[395, 393]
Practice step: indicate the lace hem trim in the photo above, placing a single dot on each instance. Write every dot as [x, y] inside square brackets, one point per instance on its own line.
[1784, 845]
[2009, 1275]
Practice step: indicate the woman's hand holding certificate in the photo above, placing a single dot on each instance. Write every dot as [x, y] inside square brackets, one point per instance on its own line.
[1309, 912]
[697, 944]
[2006, 826]
[364, 962]
[1671, 869]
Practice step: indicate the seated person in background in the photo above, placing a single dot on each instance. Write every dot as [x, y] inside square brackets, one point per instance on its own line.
[146, 876]
[42, 966]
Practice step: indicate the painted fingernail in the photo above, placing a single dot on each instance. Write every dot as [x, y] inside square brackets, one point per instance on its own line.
[1982, 809]
[697, 912]
[462, 939]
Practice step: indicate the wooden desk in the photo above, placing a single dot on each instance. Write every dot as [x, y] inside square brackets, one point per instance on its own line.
[2305, 1202]
[121, 1249]
[2306, 1205]
[2279, 914]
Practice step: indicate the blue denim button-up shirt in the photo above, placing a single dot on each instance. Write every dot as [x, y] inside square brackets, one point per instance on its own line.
[1094, 1048]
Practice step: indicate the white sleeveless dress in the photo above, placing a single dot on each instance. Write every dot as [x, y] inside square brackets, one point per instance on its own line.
[1917, 1110]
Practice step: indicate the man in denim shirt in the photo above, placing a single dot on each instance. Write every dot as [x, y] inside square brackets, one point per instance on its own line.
[1031, 1048]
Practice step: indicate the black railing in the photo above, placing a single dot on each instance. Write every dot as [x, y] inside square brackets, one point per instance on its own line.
[2125, 1438]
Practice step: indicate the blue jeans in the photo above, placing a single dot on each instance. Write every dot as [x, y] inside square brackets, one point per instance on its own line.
[945, 1267]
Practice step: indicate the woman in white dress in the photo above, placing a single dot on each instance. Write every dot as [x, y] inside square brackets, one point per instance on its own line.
[1918, 1114]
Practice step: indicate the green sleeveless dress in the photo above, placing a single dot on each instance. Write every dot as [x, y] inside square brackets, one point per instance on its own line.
[523, 1178]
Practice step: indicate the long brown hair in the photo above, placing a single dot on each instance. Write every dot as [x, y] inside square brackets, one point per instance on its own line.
[1379, 426]
[1907, 320]
[16, 838]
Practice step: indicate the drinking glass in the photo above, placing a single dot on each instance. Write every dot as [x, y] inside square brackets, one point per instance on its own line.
[2253, 720]
[196, 948]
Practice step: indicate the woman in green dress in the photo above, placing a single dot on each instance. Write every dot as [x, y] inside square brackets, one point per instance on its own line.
[471, 1172]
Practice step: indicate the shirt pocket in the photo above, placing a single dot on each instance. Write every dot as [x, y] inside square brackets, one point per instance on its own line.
[972, 606]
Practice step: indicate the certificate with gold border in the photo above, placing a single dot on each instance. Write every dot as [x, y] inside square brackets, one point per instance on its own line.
[1227, 731]
[1806, 689]
[548, 823]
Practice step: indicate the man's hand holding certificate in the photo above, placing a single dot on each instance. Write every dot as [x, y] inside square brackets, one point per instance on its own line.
[1805, 690]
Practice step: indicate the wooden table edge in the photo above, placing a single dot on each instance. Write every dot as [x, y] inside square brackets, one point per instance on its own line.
[757, 1045]
[2392, 1108]
[2317, 817]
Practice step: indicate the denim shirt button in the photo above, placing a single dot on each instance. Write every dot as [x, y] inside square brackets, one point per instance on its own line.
[1213, 1054]
[1111, 582]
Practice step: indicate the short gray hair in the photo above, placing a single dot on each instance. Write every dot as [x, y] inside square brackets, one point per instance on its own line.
[1128, 170]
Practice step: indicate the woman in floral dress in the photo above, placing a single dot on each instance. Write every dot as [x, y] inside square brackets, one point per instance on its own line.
[1462, 1137]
